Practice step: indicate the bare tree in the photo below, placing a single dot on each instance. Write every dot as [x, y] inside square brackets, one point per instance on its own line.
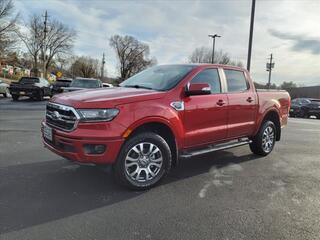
[204, 54]
[287, 85]
[33, 40]
[59, 40]
[85, 67]
[132, 54]
[7, 26]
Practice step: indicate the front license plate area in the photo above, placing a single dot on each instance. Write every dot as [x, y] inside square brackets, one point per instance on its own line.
[47, 133]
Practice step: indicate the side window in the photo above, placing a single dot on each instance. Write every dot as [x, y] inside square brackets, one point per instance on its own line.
[210, 76]
[236, 81]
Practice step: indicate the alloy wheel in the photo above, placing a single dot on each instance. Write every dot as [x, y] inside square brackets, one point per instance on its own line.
[143, 162]
[268, 139]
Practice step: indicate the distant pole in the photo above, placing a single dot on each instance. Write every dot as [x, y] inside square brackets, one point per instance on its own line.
[213, 45]
[270, 65]
[44, 47]
[253, 6]
[102, 66]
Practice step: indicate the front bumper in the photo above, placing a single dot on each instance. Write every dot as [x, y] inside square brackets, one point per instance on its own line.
[24, 92]
[72, 147]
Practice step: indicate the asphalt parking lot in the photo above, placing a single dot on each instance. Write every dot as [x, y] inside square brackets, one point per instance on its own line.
[226, 195]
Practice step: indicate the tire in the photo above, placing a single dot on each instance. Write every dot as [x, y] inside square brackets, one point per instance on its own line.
[40, 95]
[266, 133]
[15, 97]
[146, 169]
[6, 94]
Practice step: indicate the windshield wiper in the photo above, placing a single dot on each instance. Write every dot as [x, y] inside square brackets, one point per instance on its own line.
[138, 86]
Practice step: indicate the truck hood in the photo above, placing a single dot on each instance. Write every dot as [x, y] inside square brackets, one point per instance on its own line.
[105, 97]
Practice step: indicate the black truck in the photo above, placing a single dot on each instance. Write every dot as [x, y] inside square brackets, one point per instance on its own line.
[33, 87]
[60, 84]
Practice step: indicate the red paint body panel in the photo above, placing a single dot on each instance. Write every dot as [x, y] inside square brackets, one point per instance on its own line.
[206, 119]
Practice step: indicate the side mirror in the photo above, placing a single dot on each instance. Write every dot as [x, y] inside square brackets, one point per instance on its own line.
[197, 89]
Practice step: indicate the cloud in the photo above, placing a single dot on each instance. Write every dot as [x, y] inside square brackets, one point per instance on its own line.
[300, 42]
[173, 29]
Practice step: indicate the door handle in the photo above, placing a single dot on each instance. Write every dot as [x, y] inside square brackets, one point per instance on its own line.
[249, 99]
[221, 102]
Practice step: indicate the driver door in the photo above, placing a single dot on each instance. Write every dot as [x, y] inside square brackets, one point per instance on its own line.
[205, 118]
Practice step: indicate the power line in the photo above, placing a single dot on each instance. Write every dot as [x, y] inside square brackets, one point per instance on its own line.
[102, 65]
[270, 65]
[44, 44]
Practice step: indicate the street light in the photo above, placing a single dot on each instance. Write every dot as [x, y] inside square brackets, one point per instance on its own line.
[253, 6]
[213, 45]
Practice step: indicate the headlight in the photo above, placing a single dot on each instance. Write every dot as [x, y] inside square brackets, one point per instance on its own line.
[97, 115]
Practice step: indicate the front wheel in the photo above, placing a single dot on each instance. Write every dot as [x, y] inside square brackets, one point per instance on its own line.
[263, 143]
[143, 161]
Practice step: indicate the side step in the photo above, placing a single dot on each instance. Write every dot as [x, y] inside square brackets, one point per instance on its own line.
[213, 148]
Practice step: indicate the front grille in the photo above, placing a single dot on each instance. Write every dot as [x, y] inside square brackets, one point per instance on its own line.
[61, 117]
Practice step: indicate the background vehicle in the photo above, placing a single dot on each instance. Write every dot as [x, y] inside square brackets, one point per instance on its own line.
[305, 107]
[83, 83]
[33, 87]
[59, 84]
[107, 85]
[162, 114]
[4, 88]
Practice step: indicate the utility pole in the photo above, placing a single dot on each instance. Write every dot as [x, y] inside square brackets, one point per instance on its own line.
[253, 6]
[270, 65]
[44, 44]
[102, 66]
[213, 45]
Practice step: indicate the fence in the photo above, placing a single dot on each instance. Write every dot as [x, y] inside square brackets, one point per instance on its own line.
[309, 92]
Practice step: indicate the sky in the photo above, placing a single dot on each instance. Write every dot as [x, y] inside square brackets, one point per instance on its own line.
[289, 29]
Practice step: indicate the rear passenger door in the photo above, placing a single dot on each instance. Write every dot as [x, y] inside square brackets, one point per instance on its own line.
[205, 116]
[242, 104]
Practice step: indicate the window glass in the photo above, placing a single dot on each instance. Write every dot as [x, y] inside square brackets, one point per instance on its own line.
[162, 78]
[236, 81]
[210, 76]
[27, 80]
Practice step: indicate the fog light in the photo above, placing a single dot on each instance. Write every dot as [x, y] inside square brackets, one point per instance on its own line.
[94, 148]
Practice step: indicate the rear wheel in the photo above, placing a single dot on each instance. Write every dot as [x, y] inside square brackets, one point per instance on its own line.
[263, 143]
[40, 95]
[143, 161]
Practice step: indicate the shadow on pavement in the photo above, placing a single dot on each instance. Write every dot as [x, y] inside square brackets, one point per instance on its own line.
[33, 194]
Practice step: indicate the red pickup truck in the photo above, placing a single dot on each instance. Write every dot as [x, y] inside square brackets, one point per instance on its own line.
[161, 115]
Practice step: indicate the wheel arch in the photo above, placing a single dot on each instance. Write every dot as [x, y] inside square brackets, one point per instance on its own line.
[161, 127]
[273, 116]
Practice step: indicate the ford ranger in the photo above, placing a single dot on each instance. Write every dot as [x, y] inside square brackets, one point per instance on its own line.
[161, 115]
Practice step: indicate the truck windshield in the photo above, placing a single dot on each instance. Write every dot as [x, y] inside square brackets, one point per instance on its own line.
[159, 78]
[84, 83]
[28, 80]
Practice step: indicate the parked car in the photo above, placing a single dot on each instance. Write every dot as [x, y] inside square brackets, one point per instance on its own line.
[163, 114]
[4, 88]
[107, 85]
[33, 87]
[83, 83]
[59, 84]
[305, 107]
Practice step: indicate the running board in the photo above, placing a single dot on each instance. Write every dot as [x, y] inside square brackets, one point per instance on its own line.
[213, 148]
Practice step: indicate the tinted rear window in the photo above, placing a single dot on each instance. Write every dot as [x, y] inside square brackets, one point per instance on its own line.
[85, 83]
[236, 81]
[29, 80]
